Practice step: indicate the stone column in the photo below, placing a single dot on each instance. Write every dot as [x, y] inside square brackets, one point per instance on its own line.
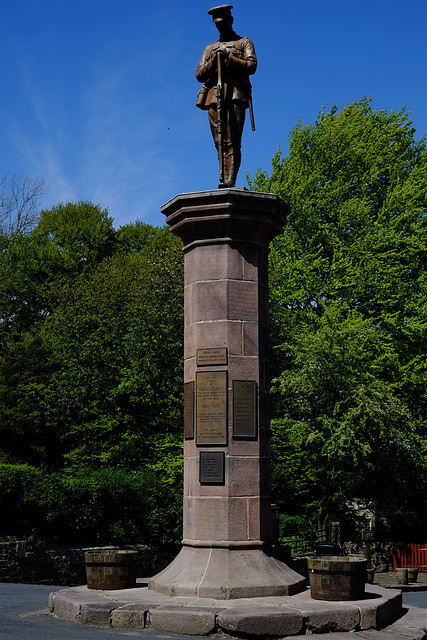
[227, 523]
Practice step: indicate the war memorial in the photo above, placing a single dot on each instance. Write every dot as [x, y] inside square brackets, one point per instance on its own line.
[226, 579]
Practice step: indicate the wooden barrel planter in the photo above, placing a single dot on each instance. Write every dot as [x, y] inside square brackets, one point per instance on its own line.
[337, 577]
[110, 569]
[412, 574]
[402, 575]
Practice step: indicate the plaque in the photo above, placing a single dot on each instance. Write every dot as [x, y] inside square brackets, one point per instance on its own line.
[212, 467]
[211, 407]
[211, 356]
[189, 410]
[244, 408]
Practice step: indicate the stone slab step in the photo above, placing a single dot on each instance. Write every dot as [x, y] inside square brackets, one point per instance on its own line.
[280, 616]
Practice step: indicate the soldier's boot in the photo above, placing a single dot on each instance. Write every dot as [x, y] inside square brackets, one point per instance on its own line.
[234, 159]
[225, 167]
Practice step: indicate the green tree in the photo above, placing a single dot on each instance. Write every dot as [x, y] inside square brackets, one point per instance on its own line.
[81, 232]
[355, 241]
[91, 380]
[29, 267]
[34, 265]
[138, 236]
[91, 344]
[343, 439]
[88, 507]
[25, 373]
[68, 239]
[116, 339]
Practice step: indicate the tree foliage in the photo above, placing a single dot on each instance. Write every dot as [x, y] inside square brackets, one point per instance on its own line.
[88, 507]
[91, 329]
[118, 334]
[344, 439]
[351, 262]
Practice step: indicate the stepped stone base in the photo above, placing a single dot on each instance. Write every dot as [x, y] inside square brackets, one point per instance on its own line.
[226, 573]
[141, 609]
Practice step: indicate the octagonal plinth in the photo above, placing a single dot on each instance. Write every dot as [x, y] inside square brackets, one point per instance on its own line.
[227, 520]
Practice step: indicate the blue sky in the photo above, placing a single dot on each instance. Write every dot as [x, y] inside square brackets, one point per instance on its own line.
[98, 97]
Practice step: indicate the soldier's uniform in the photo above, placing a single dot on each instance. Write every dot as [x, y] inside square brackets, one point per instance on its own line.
[238, 63]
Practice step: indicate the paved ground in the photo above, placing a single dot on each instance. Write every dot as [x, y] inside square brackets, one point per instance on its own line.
[415, 599]
[388, 580]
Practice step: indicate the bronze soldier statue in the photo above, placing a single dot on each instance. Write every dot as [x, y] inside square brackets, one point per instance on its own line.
[224, 68]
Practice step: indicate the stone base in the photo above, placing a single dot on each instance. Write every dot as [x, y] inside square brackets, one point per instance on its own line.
[225, 574]
[141, 610]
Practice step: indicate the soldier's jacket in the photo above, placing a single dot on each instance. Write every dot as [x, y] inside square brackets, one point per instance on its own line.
[242, 63]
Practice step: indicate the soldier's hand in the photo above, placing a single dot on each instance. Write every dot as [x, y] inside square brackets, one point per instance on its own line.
[225, 55]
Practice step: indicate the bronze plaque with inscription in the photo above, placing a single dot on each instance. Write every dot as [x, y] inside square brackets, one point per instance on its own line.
[211, 407]
[244, 408]
[206, 357]
[189, 410]
[212, 467]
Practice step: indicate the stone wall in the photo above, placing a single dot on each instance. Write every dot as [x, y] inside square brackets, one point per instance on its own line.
[65, 567]
[381, 553]
[381, 556]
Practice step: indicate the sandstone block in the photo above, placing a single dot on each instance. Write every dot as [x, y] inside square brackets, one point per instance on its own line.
[242, 301]
[375, 613]
[133, 618]
[237, 519]
[254, 519]
[66, 605]
[261, 621]
[243, 447]
[97, 614]
[186, 620]
[188, 305]
[254, 258]
[205, 518]
[333, 618]
[243, 476]
[250, 339]
[218, 333]
[208, 301]
[50, 602]
[243, 368]
[213, 262]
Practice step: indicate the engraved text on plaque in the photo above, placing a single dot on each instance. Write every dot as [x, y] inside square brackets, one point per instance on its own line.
[211, 356]
[244, 408]
[212, 467]
[211, 407]
[189, 410]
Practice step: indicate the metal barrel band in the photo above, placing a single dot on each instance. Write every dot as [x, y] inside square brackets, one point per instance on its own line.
[337, 572]
[106, 564]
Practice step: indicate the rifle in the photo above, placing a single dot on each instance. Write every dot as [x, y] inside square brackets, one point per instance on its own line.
[219, 100]
[251, 109]
[251, 113]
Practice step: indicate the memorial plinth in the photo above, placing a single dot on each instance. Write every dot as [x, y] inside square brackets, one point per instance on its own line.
[227, 523]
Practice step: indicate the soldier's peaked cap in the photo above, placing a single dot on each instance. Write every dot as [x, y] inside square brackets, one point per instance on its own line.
[221, 11]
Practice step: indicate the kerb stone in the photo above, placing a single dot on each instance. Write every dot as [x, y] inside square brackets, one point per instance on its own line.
[66, 605]
[375, 613]
[261, 621]
[185, 620]
[96, 614]
[336, 618]
[131, 617]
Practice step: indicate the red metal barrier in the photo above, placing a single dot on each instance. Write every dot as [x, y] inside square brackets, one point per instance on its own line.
[410, 555]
